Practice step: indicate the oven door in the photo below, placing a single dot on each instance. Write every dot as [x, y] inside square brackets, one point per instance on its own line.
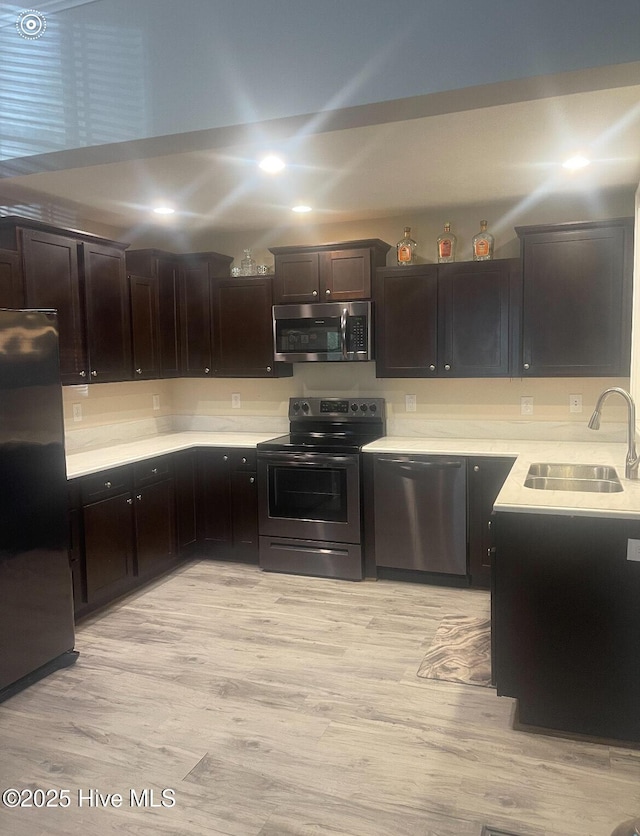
[310, 496]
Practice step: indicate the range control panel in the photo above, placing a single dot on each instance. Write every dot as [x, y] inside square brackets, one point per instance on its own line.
[337, 408]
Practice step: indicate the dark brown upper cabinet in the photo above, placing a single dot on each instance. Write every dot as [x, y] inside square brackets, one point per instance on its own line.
[198, 270]
[83, 278]
[154, 288]
[242, 329]
[576, 317]
[447, 320]
[11, 289]
[326, 273]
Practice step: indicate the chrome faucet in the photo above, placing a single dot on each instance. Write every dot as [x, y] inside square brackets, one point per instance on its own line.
[632, 460]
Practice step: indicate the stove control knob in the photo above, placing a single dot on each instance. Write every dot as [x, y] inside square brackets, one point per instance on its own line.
[363, 407]
[305, 407]
[372, 407]
[354, 407]
[296, 407]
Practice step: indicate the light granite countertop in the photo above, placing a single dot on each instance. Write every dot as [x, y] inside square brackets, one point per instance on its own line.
[514, 496]
[92, 461]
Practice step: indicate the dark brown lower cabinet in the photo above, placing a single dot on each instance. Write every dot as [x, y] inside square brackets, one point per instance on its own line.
[485, 478]
[565, 622]
[108, 547]
[154, 516]
[227, 503]
[184, 474]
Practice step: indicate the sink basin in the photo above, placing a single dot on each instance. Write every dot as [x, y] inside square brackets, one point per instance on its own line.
[593, 478]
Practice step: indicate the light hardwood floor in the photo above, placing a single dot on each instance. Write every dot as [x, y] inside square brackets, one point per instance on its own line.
[275, 704]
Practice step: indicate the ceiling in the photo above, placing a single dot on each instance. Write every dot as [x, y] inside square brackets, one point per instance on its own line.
[507, 151]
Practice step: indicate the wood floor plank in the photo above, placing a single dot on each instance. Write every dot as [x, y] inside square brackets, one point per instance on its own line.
[278, 705]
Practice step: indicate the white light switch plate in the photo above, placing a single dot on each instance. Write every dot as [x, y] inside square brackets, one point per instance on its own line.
[633, 550]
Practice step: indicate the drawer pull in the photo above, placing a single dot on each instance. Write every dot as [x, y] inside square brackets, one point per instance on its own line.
[154, 470]
[107, 484]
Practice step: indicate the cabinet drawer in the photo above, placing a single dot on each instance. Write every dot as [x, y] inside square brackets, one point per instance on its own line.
[106, 483]
[152, 470]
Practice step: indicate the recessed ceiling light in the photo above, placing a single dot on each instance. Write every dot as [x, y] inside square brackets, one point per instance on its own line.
[272, 164]
[164, 210]
[301, 208]
[576, 162]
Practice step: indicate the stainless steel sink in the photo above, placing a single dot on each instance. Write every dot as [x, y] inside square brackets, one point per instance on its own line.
[593, 478]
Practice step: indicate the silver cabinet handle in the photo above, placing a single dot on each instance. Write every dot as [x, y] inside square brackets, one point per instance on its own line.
[526, 365]
[154, 470]
[139, 497]
[82, 373]
[476, 468]
[138, 371]
[252, 479]
[94, 373]
[327, 292]
[432, 368]
[207, 370]
[447, 367]
[129, 501]
[225, 458]
[107, 484]
[268, 368]
[244, 460]
[314, 293]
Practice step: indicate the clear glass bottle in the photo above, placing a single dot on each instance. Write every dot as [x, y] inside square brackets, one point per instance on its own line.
[248, 264]
[483, 244]
[406, 248]
[446, 245]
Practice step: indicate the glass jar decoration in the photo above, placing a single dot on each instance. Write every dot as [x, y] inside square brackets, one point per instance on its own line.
[483, 244]
[248, 264]
[446, 245]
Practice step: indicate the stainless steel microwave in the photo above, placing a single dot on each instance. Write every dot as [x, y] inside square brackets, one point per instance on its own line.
[323, 332]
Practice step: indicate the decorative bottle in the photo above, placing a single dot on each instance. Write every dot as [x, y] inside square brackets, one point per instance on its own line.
[446, 245]
[406, 248]
[482, 244]
[247, 264]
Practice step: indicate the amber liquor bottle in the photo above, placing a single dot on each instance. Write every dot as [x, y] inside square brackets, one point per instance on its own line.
[446, 245]
[483, 244]
[406, 248]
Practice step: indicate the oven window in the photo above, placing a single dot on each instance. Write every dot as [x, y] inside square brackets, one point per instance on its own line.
[308, 493]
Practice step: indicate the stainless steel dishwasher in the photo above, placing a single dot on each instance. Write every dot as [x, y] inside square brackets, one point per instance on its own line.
[420, 506]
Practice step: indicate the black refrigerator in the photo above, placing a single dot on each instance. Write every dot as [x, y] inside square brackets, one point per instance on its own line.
[36, 599]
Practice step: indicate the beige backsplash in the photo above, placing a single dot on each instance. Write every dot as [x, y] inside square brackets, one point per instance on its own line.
[114, 412]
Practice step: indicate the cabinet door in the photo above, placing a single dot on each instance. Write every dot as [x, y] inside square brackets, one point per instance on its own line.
[242, 328]
[214, 507]
[297, 278]
[345, 274]
[168, 318]
[485, 478]
[107, 313]
[244, 515]
[51, 280]
[406, 318]
[109, 547]
[576, 302]
[184, 466]
[11, 290]
[144, 327]
[195, 320]
[155, 527]
[474, 307]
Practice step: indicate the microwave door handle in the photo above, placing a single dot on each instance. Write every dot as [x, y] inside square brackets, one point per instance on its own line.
[343, 332]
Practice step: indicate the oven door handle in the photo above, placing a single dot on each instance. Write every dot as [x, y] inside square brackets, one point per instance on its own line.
[343, 332]
[315, 459]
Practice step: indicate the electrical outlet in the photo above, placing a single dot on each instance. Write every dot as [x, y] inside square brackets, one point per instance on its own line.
[526, 405]
[77, 412]
[235, 400]
[410, 402]
[575, 403]
[156, 401]
[633, 550]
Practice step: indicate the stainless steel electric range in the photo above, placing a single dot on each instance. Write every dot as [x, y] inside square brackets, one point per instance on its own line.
[310, 487]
